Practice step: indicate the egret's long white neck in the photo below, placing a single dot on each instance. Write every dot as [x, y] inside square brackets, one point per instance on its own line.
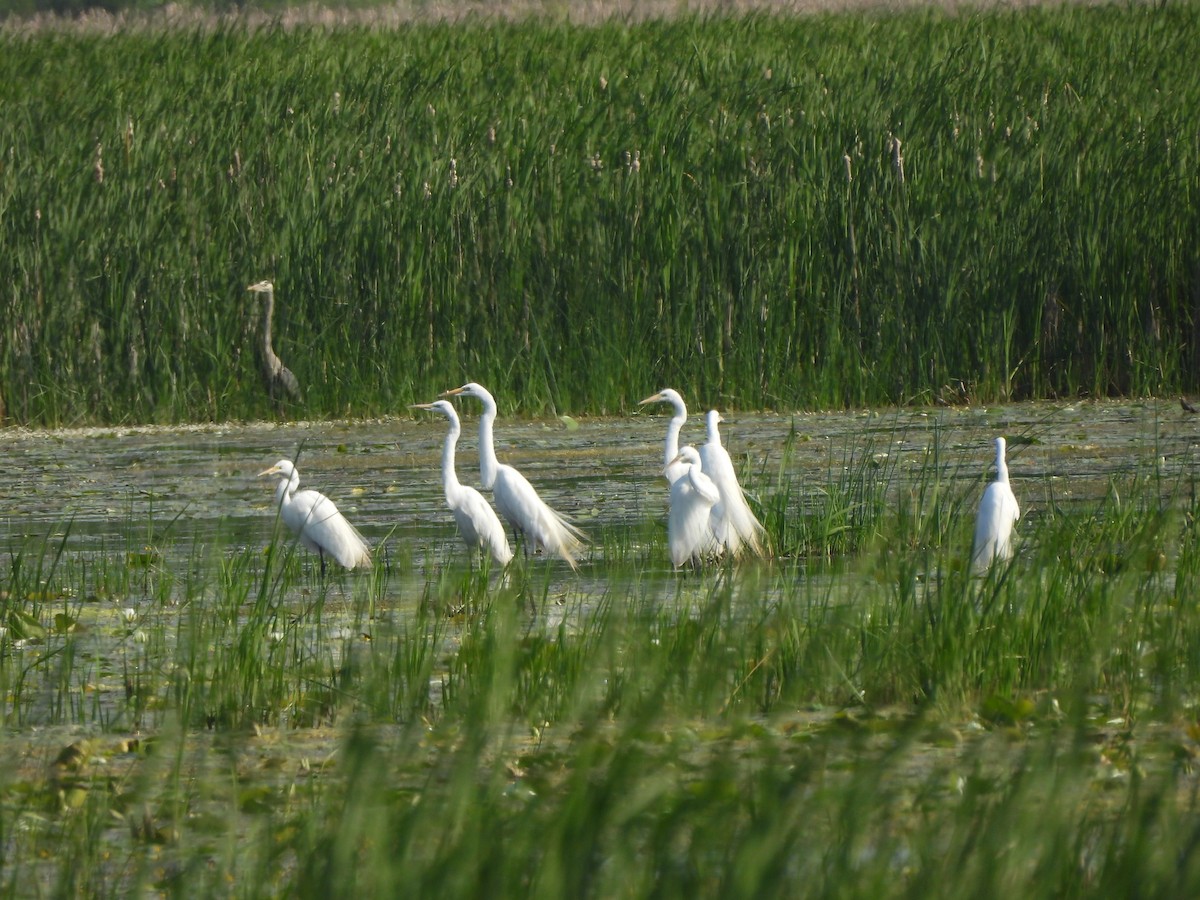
[1001, 463]
[714, 432]
[671, 447]
[449, 476]
[286, 487]
[488, 465]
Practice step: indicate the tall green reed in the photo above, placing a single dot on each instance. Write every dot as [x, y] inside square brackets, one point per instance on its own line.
[774, 212]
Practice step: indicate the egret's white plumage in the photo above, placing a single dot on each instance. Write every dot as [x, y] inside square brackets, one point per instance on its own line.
[515, 497]
[998, 512]
[316, 521]
[733, 522]
[693, 496]
[673, 469]
[477, 522]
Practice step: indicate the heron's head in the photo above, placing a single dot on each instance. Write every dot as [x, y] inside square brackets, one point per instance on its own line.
[261, 287]
[666, 395]
[283, 468]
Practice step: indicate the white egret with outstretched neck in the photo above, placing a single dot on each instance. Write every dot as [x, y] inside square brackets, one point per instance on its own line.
[477, 522]
[998, 512]
[693, 496]
[672, 468]
[733, 522]
[313, 518]
[277, 377]
[515, 497]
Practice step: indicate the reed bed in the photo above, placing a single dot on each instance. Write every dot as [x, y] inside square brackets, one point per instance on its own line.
[857, 717]
[775, 212]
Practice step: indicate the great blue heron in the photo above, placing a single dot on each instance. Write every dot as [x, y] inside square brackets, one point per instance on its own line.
[316, 521]
[280, 382]
[734, 523]
[515, 497]
[477, 522]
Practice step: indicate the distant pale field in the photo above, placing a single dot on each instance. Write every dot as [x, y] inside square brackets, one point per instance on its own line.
[591, 11]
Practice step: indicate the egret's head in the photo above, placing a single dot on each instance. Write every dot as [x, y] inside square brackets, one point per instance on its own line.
[470, 389]
[714, 418]
[445, 407]
[666, 395]
[283, 468]
[688, 456]
[261, 287]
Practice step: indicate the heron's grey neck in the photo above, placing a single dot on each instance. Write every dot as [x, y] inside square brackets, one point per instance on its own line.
[268, 313]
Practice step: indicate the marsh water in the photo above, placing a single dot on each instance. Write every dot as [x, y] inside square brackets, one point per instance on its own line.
[179, 495]
[117, 489]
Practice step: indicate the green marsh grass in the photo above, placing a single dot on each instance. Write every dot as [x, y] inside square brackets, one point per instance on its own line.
[771, 212]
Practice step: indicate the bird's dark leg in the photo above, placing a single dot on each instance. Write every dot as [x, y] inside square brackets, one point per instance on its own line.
[518, 540]
[321, 554]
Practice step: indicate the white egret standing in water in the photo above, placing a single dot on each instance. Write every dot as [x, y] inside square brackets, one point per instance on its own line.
[673, 469]
[733, 522]
[277, 377]
[316, 521]
[693, 496]
[515, 497]
[998, 512]
[477, 522]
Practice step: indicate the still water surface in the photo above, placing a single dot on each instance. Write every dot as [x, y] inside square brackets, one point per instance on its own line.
[198, 483]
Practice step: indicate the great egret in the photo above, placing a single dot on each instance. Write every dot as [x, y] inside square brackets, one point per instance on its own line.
[733, 522]
[693, 496]
[998, 511]
[277, 377]
[673, 469]
[515, 497]
[477, 522]
[316, 521]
